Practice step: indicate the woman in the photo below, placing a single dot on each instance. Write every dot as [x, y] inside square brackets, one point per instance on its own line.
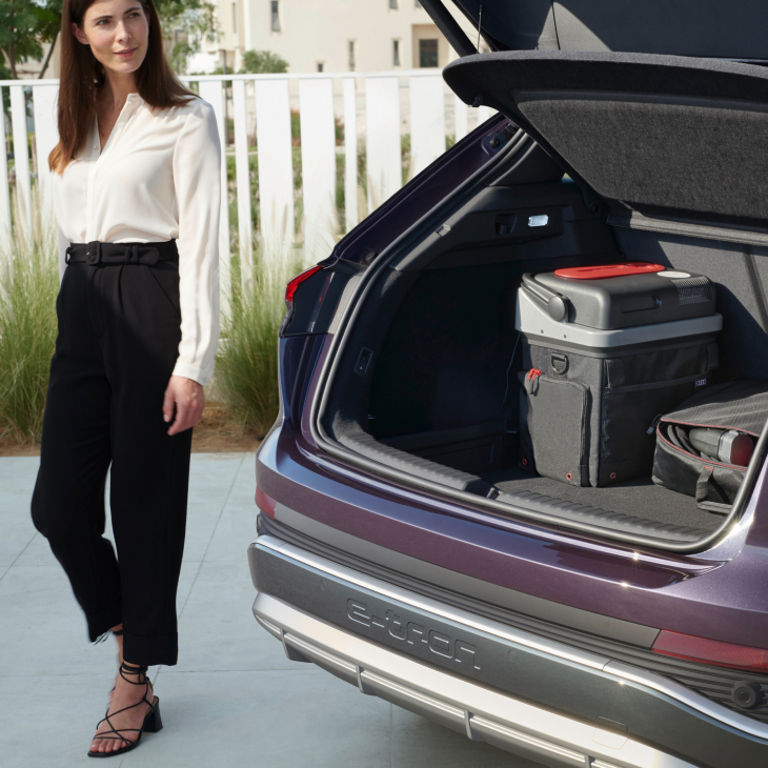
[136, 188]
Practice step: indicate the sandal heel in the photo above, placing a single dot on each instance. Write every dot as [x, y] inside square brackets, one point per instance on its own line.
[153, 722]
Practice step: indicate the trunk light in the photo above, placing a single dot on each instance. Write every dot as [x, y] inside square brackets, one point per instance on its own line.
[290, 289]
[709, 651]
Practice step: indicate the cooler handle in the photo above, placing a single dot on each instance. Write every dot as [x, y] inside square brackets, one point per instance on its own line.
[555, 304]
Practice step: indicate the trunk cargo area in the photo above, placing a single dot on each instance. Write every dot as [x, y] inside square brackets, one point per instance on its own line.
[631, 165]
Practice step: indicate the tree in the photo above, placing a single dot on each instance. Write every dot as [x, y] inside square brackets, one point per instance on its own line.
[194, 19]
[263, 63]
[48, 28]
[25, 25]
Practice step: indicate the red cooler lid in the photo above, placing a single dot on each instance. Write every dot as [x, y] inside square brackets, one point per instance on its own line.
[600, 271]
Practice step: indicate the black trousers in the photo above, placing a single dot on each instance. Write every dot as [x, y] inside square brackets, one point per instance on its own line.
[119, 330]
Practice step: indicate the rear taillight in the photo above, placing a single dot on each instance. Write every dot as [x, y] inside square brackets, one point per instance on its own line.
[311, 298]
[290, 289]
[708, 651]
[265, 503]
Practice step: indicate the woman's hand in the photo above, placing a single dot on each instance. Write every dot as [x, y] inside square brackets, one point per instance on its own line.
[185, 398]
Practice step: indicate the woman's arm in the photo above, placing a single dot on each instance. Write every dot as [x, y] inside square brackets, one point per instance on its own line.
[197, 181]
[196, 175]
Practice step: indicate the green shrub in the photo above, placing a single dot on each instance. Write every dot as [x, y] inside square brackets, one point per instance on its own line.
[263, 62]
[29, 282]
[246, 370]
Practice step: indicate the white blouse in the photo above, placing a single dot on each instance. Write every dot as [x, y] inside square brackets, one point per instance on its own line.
[157, 178]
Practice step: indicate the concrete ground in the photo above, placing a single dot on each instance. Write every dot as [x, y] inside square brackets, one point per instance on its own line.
[233, 699]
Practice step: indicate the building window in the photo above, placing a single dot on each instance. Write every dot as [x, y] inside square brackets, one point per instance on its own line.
[393, 4]
[320, 66]
[428, 53]
[351, 55]
[395, 53]
[275, 11]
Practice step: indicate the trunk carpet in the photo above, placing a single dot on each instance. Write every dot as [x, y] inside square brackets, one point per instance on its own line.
[639, 497]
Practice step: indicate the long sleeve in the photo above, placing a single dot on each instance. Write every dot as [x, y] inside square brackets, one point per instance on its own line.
[196, 178]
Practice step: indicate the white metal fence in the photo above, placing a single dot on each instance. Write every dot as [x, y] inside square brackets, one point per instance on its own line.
[284, 192]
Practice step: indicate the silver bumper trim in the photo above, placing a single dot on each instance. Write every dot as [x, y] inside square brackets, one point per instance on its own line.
[482, 714]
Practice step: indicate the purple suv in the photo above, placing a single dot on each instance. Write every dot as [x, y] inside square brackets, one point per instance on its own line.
[461, 506]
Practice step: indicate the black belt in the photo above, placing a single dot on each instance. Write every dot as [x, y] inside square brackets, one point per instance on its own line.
[108, 254]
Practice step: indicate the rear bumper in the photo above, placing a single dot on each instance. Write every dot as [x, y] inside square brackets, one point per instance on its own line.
[541, 699]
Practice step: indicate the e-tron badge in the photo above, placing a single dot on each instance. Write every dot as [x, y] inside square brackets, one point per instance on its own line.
[413, 633]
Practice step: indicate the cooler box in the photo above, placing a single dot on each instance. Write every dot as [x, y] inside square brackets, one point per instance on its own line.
[606, 350]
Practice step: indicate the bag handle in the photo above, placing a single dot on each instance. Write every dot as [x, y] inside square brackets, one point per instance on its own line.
[702, 491]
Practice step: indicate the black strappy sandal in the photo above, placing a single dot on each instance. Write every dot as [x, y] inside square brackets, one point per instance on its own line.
[152, 721]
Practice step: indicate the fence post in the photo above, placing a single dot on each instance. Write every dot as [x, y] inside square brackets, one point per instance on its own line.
[44, 103]
[213, 92]
[273, 143]
[382, 146]
[351, 213]
[460, 122]
[318, 167]
[242, 173]
[5, 191]
[427, 102]
[484, 113]
[21, 155]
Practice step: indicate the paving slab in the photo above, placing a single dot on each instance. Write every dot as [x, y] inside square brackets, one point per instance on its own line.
[17, 478]
[37, 605]
[47, 721]
[237, 525]
[271, 718]
[217, 629]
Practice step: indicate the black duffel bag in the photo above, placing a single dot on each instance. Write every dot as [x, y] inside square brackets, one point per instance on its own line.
[704, 446]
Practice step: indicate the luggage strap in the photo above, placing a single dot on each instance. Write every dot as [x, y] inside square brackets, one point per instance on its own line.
[702, 491]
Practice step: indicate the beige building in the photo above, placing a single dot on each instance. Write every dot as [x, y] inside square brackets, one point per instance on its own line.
[315, 36]
[328, 35]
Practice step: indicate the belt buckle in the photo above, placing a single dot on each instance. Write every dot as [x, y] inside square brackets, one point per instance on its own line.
[93, 253]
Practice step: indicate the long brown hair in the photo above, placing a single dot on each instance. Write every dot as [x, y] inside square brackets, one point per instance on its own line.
[81, 76]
